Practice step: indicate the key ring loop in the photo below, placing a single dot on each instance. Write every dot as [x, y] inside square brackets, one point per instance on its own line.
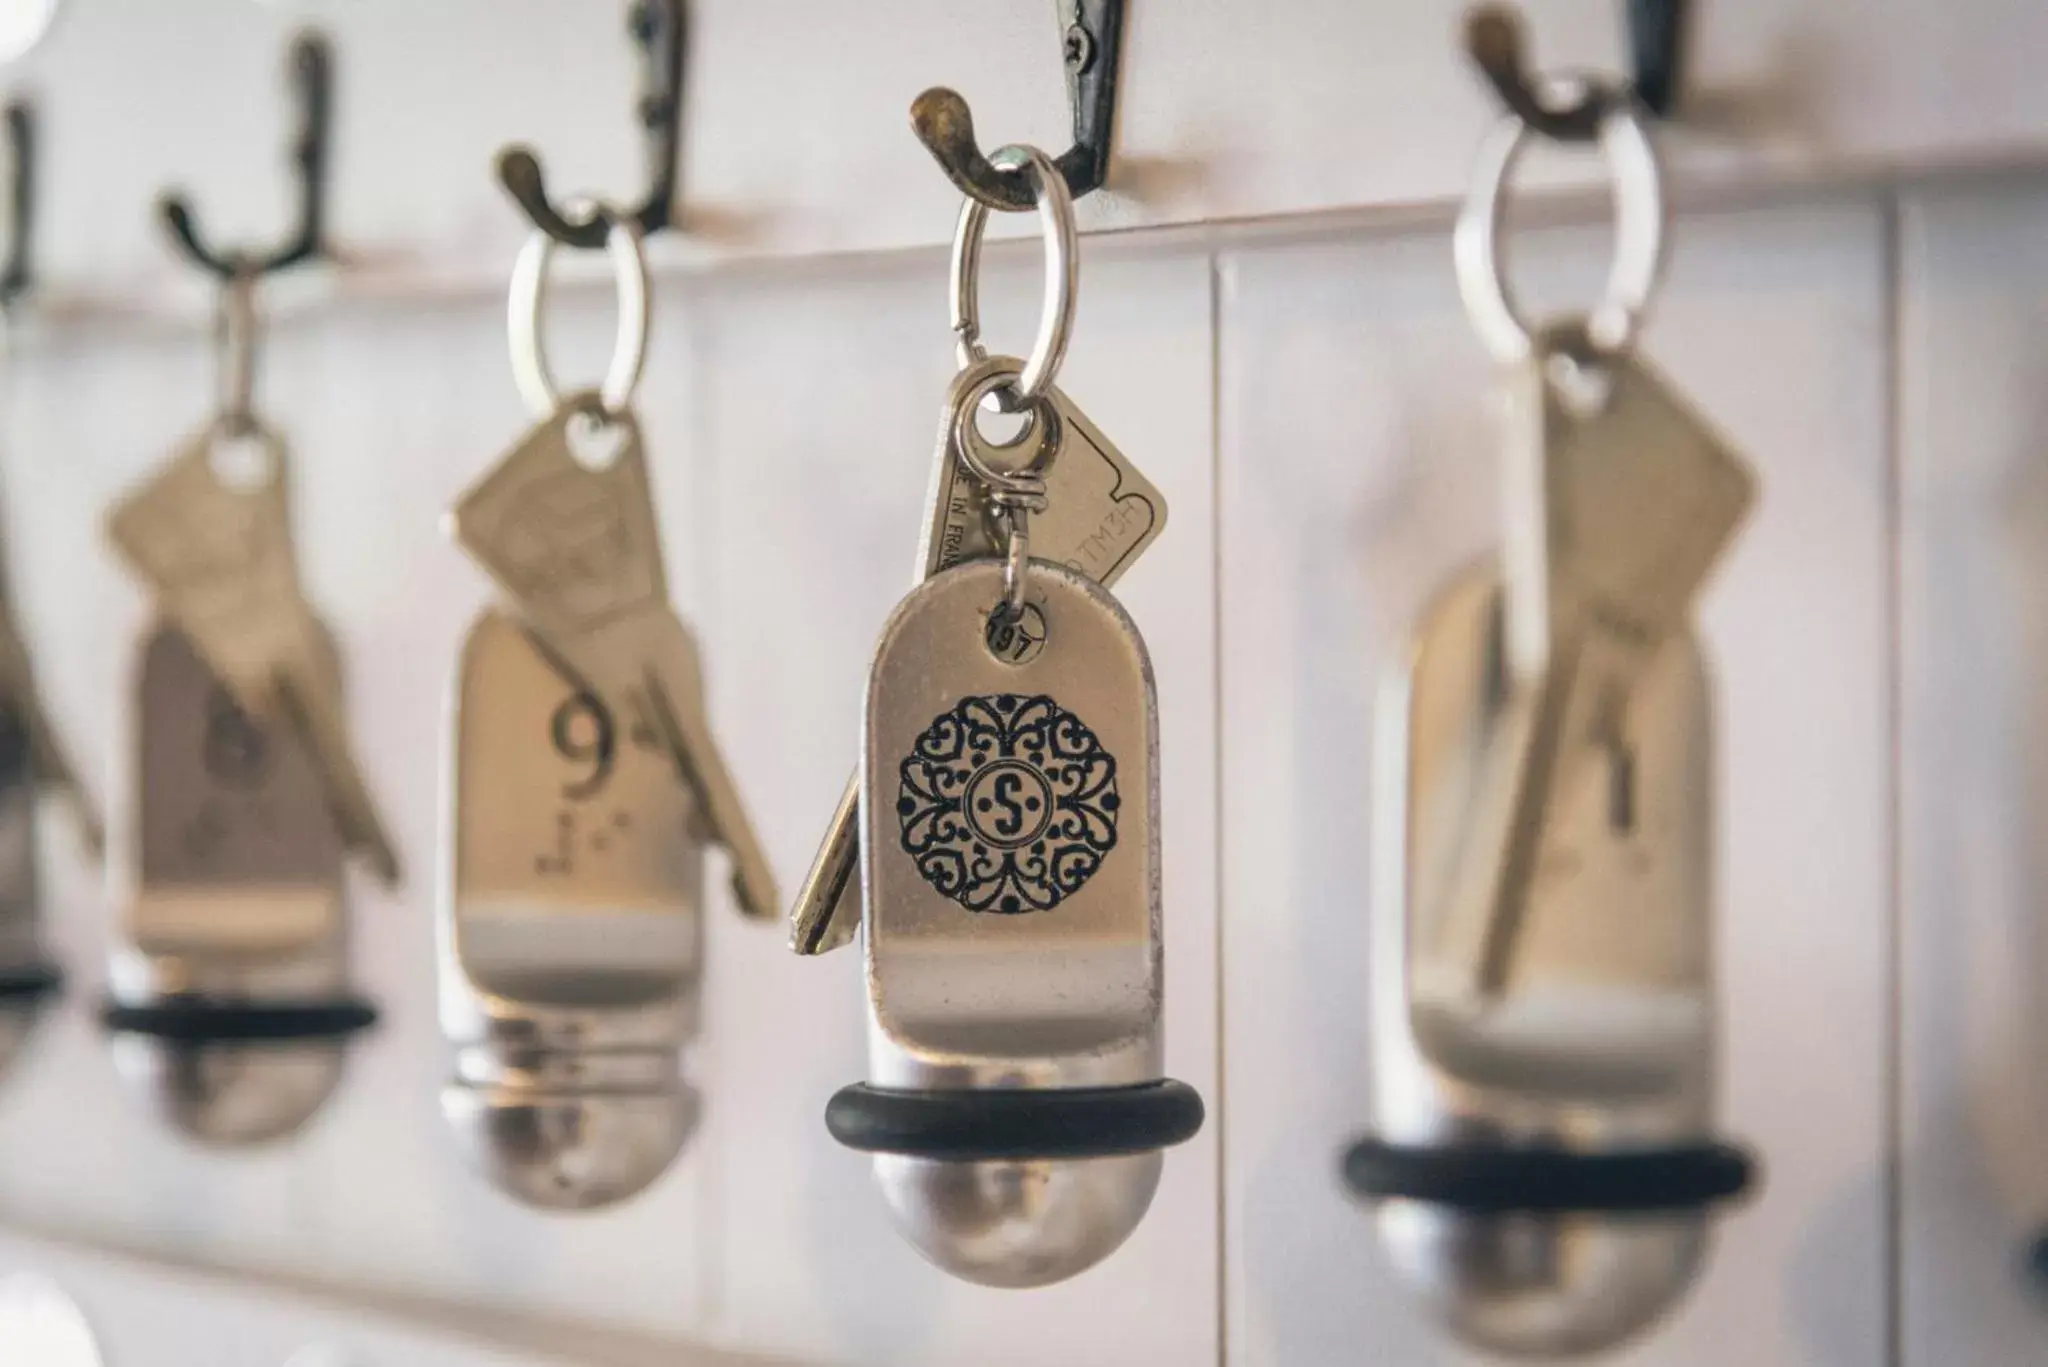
[1062, 277]
[1024, 481]
[1014, 492]
[1631, 155]
[236, 326]
[527, 303]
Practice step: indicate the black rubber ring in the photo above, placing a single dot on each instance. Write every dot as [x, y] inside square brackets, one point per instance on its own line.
[28, 984]
[204, 1020]
[1494, 1179]
[969, 1124]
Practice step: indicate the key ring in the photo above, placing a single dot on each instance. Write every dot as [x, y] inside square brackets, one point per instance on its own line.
[235, 329]
[1062, 275]
[1625, 141]
[528, 301]
[1016, 491]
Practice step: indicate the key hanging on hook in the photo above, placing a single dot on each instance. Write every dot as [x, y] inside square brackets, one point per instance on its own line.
[660, 30]
[21, 175]
[1092, 36]
[1656, 33]
[312, 74]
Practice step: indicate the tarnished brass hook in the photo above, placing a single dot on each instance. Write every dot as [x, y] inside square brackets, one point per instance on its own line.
[1092, 39]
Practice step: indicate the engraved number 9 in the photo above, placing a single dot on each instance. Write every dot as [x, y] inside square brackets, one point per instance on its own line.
[594, 743]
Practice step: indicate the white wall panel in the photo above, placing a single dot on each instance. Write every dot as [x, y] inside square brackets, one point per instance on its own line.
[1974, 661]
[1358, 470]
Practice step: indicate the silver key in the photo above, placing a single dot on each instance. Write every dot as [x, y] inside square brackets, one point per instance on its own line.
[1101, 514]
[219, 557]
[575, 546]
[1620, 504]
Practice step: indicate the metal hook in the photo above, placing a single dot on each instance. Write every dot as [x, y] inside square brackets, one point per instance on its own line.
[312, 85]
[21, 159]
[1092, 35]
[660, 29]
[1656, 29]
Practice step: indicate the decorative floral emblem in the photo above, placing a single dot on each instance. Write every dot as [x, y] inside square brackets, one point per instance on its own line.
[1008, 803]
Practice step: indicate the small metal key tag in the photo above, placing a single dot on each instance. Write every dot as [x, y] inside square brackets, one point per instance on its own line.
[240, 859]
[1006, 806]
[1101, 514]
[219, 558]
[1622, 498]
[575, 547]
[566, 803]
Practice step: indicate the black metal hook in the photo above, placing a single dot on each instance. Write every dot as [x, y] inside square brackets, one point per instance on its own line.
[1092, 34]
[21, 163]
[660, 29]
[1656, 31]
[312, 77]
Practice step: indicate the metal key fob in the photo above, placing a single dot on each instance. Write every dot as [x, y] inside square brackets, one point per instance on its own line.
[1009, 838]
[571, 955]
[230, 1004]
[1543, 1165]
[1552, 1146]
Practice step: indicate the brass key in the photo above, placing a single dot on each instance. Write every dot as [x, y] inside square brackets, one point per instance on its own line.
[575, 546]
[219, 557]
[1620, 502]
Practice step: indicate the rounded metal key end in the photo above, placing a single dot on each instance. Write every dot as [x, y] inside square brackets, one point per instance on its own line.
[1017, 1223]
[1016, 1187]
[563, 1131]
[233, 1072]
[230, 1095]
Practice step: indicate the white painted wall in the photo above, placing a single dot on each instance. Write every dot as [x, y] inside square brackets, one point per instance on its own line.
[1310, 400]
